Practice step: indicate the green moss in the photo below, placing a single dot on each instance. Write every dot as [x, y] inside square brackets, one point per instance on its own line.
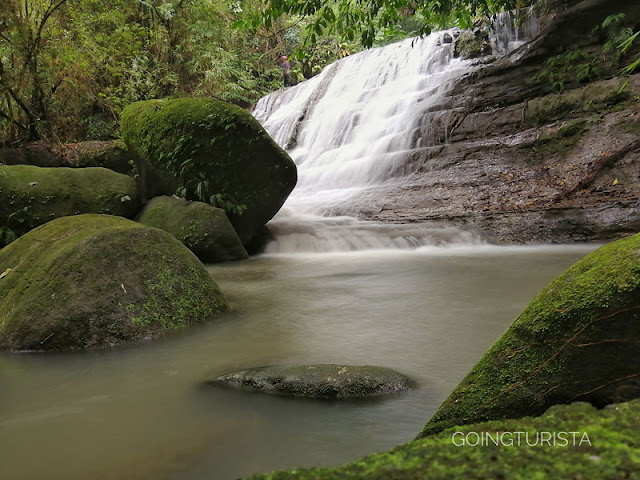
[205, 230]
[579, 339]
[612, 453]
[95, 280]
[210, 151]
[558, 142]
[632, 127]
[182, 291]
[598, 97]
[31, 196]
[470, 45]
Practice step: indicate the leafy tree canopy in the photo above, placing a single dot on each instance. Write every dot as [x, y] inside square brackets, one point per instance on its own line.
[364, 19]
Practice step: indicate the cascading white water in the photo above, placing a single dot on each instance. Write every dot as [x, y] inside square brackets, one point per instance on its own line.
[513, 29]
[354, 127]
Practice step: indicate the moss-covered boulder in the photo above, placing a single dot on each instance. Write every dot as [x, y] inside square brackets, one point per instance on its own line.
[31, 196]
[605, 446]
[319, 381]
[578, 340]
[216, 152]
[204, 229]
[96, 280]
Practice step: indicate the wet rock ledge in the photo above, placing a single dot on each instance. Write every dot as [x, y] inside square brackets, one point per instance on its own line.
[319, 381]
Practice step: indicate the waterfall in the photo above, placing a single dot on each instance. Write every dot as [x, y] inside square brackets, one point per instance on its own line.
[510, 30]
[353, 127]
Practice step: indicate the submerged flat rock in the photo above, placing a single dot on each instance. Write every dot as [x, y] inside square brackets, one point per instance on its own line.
[319, 381]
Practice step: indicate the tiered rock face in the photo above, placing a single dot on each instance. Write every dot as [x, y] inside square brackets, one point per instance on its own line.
[524, 151]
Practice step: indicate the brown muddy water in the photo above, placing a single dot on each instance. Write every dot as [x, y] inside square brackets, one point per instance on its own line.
[142, 412]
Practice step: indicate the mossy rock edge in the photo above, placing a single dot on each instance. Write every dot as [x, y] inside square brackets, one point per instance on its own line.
[95, 280]
[209, 148]
[609, 450]
[319, 381]
[31, 196]
[578, 340]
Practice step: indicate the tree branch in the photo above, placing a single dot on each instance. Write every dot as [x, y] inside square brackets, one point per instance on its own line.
[16, 98]
[45, 18]
[12, 120]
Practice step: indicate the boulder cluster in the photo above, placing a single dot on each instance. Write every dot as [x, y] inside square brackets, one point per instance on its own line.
[104, 241]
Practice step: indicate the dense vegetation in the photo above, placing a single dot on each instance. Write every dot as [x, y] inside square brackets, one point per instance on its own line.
[68, 67]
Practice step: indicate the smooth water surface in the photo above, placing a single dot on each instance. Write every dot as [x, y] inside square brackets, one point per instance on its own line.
[143, 412]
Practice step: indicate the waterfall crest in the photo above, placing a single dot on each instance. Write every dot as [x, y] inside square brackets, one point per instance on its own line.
[353, 127]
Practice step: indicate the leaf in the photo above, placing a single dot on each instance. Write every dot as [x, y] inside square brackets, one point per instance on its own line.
[628, 42]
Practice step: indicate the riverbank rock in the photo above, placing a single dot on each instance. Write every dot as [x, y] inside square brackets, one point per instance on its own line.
[111, 154]
[578, 340]
[96, 280]
[31, 196]
[39, 154]
[108, 154]
[319, 381]
[213, 151]
[203, 229]
[609, 450]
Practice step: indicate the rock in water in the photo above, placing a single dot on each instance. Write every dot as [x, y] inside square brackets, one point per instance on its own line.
[578, 340]
[31, 196]
[204, 229]
[96, 280]
[319, 381]
[216, 152]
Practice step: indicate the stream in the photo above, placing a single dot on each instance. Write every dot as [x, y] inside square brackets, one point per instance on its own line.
[143, 412]
[425, 301]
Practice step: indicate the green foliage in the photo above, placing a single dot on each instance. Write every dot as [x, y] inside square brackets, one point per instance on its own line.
[623, 47]
[620, 39]
[562, 70]
[615, 31]
[6, 236]
[226, 203]
[314, 57]
[368, 19]
[69, 67]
